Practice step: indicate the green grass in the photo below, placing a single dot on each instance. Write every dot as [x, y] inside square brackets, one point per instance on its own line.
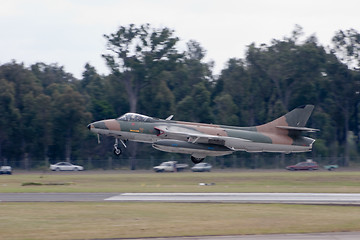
[239, 181]
[130, 220]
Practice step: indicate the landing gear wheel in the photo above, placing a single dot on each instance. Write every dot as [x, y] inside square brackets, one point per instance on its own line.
[196, 160]
[117, 151]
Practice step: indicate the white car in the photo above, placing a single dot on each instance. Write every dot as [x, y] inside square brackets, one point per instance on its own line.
[201, 167]
[5, 170]
[65, 166]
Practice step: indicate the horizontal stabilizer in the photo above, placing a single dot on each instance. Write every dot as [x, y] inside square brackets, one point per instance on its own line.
[304, 129]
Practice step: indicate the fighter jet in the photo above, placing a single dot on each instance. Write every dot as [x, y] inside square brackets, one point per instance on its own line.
[283, 135]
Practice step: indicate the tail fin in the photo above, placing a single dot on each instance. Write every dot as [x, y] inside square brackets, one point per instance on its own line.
[299, 116]
[293, 121]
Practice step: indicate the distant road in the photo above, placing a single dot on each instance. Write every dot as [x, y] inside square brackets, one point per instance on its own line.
[289, 198]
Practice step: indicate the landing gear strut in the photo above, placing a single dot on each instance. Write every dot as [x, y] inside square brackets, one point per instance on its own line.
[196, 160]
[117, 150]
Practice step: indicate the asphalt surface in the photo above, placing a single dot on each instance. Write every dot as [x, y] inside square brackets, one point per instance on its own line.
[54, 197]
[290, 198]
[294, 198]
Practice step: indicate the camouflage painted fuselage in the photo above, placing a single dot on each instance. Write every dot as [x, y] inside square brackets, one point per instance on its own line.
[201, 140]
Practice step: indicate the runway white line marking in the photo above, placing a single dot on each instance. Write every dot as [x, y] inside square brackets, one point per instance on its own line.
[319, 198]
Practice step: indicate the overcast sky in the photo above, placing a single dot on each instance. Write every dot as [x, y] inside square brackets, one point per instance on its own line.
[70, 32]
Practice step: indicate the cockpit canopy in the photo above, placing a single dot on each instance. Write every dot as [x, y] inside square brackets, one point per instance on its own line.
[135, 117]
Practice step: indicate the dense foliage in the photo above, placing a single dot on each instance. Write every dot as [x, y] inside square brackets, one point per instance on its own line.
[45, 110]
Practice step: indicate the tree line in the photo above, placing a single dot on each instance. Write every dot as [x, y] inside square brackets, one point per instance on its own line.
[44, 109]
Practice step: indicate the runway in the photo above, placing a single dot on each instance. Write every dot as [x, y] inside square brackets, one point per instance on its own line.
[287, 198]
[294, 198]
[54, 197]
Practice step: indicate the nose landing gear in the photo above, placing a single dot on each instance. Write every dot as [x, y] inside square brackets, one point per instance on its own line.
[117, 150]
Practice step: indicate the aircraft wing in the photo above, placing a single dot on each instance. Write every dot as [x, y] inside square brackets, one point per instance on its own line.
[193, 136]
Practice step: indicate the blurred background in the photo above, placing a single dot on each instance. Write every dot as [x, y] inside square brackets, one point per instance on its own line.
[149, 67]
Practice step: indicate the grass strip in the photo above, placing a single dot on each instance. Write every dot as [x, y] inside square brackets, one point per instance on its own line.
[131, 220]
[249, 181]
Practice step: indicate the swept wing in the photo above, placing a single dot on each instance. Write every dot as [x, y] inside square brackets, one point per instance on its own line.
[193, 136]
